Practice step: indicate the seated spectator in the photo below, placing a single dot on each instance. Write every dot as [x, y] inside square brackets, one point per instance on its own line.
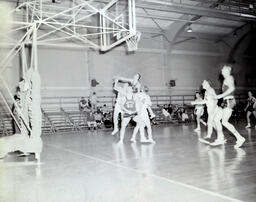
[175, 112]
[166, 113]
[107, 120]
[104, 109]
[83, 104]
[184, 115]
[98, 118]
[170, 109]
[91, 122]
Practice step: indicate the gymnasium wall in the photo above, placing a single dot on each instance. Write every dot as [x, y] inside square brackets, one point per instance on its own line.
[76, 67]
[64, 72]
[188, 64]
[67, 72]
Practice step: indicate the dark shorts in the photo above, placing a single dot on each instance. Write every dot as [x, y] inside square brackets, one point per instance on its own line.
[250, 109]
[126, 115]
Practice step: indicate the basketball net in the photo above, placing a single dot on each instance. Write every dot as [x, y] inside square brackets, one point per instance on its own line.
[132, 42]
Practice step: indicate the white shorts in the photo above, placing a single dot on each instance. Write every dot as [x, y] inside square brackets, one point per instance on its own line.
[199, 111]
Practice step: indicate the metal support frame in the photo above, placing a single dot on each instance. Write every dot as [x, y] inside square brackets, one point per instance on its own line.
[61, 24]
[78, 21]
[16, 48]
[183, 8]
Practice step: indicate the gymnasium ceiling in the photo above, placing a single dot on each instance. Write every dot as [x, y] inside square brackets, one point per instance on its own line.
[212, 19]
[208, 19]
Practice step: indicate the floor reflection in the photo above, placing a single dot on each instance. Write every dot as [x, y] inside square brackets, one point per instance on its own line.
[249, 132]
[140, 160]
[222, 169]
[142, 154]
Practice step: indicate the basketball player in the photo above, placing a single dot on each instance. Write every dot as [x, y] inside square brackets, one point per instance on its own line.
[135, 82]
[250, 108]
[136, 85]
[121, 91]
[130, 108]
[199, 111]
[145, 103]
[214, 114]
[229, 102]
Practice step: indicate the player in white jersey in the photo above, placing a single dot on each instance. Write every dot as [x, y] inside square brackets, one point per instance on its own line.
[145, 103]
[199, 111]
[214, 113]
[121, 91]
[229, 102]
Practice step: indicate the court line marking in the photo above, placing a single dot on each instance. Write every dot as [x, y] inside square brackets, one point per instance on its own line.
[142, 172]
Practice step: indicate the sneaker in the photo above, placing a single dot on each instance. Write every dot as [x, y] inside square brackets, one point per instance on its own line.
[132, 140]
[143, 140]
[150, 140]
[197, 129]
[204, 123]
[207, 137]
[248, 125]
[114, 132]
[239, 142]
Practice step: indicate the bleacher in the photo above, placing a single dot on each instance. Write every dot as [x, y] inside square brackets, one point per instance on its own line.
[6, 123]
[63, 114]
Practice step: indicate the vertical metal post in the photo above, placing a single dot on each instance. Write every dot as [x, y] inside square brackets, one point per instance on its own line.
[130, 13]
[23, 60]
[34, 47]
[101, 29]
[27, 18]
[134, 16]
[74, 17]
[41, 9]
[104, 31]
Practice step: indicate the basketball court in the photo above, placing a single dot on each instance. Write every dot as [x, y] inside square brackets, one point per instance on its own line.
[57, 54]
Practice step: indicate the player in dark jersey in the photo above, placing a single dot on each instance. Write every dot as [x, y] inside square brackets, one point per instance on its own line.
[130, 108]
[229, 102]
[250, 108]
[137, 88]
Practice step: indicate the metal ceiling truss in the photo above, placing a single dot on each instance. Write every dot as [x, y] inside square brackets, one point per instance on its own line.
[183, 8]
[90, 23]
[203, 9]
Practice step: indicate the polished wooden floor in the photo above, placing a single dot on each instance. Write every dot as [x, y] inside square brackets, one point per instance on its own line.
[91, 167]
